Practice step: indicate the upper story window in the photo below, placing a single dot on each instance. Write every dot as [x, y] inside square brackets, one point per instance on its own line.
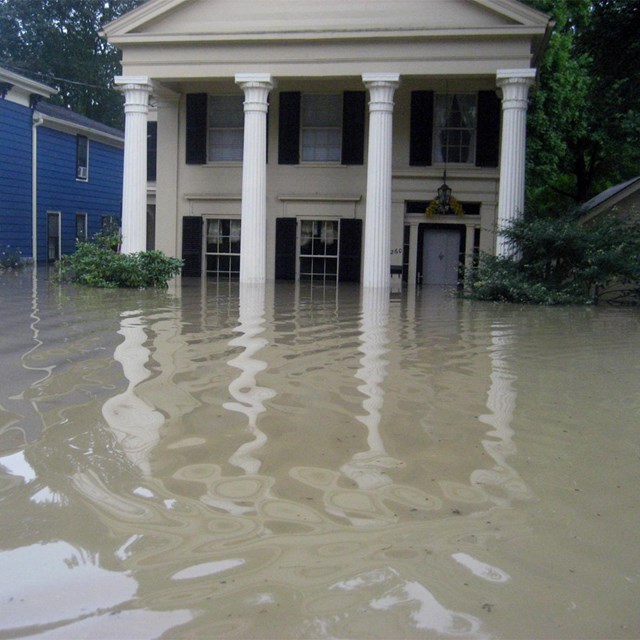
[332, 126]
[226, 128]
[321, 128]
[82, 158]
[454, 135]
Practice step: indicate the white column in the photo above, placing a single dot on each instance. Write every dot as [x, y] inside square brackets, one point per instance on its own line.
[377, 233]
[515, 85]
[253, 232]
[134, 182]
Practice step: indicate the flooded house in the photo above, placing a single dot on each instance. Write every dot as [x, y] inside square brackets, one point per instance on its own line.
[335, 141]
[60, 172]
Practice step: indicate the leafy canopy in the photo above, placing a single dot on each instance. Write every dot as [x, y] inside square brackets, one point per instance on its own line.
[584, 124]
[57, 42]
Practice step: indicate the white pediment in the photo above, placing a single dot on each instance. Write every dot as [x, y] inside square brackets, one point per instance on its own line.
[185, 19]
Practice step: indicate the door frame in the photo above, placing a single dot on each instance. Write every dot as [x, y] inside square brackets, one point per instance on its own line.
[425, 227]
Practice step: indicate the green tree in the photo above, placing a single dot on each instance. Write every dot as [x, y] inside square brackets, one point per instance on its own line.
[584, 117]
[57, 42]
[612, 40]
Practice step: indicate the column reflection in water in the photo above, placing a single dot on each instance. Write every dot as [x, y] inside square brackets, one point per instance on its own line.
[20, 419]
[135, 424]
[35, 320]
[248, 394]
[501, 403]
[366, 468]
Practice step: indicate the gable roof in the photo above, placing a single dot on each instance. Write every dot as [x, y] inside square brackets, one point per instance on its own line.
[76, 122]
[609, 198]
[209, 20]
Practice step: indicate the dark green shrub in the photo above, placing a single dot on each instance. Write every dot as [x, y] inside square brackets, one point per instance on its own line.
[562, 262]
[96, 264]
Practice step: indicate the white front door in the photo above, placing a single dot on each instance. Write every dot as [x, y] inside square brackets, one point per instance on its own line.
[441, 256]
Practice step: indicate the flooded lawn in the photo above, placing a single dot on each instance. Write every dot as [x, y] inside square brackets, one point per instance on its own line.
[297, 462]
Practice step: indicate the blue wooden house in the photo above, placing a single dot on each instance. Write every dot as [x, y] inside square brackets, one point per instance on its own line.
[60, 172]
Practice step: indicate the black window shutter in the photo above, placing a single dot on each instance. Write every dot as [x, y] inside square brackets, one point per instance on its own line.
[421, 136]
[196, 151]
[286, 248]
[488, 136]
[192, 246]
[289, 129]
[353, 118]
[350, 249]
[152, 150]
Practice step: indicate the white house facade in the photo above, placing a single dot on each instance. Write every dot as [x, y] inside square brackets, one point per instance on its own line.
[306, 140]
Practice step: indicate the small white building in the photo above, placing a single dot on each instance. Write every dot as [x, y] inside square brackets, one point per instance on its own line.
[300, 139]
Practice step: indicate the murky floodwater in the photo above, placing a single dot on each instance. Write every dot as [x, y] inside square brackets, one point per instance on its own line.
[283, 462]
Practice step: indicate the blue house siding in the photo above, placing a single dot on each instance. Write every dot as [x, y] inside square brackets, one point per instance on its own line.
[60, 191]
[15, 176]
[22, 102]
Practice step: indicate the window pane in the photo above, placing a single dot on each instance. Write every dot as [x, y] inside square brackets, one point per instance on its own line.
[83, 144]
[306, 235]
[82, 157]
[321, 145]
[226, 128]
[226, 111]
[213, 235]
[81, 227]
[455, 127]
[305, 266]
[223, 247]
[321, 110]
[321, 133]
[319, 249]
[226, 145]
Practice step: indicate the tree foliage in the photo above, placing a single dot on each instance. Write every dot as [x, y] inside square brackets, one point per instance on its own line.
[584, 125]
[561, 262]
[57, 42]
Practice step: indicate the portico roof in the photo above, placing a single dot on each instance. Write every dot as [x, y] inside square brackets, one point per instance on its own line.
[174, 40]
[178, 20]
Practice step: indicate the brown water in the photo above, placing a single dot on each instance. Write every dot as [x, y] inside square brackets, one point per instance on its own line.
[297, 462]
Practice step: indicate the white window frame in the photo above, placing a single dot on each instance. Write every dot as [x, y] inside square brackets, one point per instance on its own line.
[320, 153]
[218, 153]
[442, 114]
[300, 254]
[230, 274]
